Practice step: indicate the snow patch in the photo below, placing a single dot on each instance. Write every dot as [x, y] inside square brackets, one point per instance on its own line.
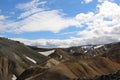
[85, 51]
[60, 56]
[72, 51]
[31, 59]
[98, 46]
[14, 77]
[47, 53]
[87, 47]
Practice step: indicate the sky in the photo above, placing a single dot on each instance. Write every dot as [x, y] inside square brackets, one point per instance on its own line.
[60, 23]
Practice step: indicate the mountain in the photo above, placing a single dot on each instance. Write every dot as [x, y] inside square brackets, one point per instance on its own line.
[87, 62]
[15, 57]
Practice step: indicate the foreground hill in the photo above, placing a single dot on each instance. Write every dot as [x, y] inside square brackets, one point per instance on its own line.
[87, 62]
[15, 57]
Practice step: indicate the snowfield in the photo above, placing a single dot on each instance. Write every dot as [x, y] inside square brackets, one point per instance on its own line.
[47, 53]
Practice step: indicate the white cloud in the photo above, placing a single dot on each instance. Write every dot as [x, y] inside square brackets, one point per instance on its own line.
[3, 20]
[30, 5]
[29, 13]
[102, 23]
[43, 21]
[53, 43]
[87, 1]
[36, 18]
[50, 42]
[2, 17]
[30, 8]
[102, 1]
[46, 21]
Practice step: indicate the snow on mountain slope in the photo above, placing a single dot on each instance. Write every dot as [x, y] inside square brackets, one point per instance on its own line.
[32, 60]
[98, 46]
[47, 53]
[14, 77]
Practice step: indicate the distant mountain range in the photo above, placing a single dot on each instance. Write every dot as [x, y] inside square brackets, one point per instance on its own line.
[88, 62]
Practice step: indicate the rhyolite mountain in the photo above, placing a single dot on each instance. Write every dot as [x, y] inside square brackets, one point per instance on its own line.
[88, 62]
[15, 57]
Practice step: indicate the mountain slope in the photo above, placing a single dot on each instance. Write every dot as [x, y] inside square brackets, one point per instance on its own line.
[15, 57]
[74, 69]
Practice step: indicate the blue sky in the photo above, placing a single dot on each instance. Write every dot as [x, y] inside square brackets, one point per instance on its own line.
[60, 23]
[68, 8]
